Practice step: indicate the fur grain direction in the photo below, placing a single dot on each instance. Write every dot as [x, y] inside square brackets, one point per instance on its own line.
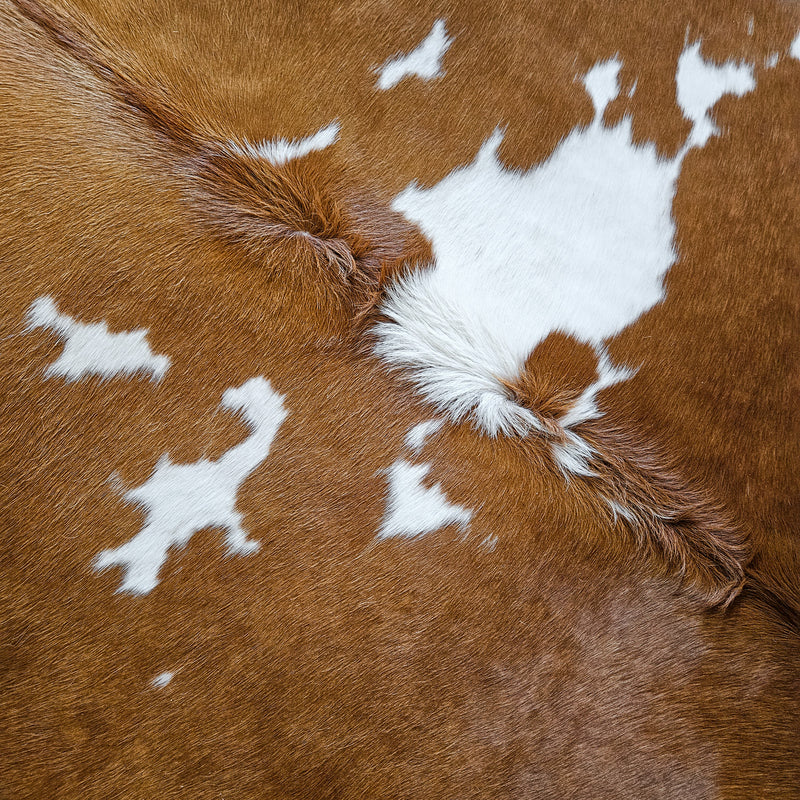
[246, 555]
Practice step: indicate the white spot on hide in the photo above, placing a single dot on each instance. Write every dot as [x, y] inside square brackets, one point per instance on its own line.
[280, 151]
[413, 509]
[794, 47]
[573, 455]
[750, 26]
[425, 61]
[89, 349]
[620, 512]
[772, 60]
[579, 244]
[181, 499]
[416, 437]
[601, 82]
[701, 84]
[585, 407]
[162, 680]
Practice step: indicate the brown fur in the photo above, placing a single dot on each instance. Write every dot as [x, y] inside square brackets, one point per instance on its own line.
[560, 663]
[671, 521]
[248, 200]
[555, 374]
[696, 538]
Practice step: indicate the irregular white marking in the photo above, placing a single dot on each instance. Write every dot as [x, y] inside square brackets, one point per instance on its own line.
[573, 455]
[618, 511]
[585, 407]
[416, 437]
[162, 680]
[701, 84]
[413, 509]
[281, 151]
[750, 26]
[794, 47]
[425, 61]
[578, 244]
[772, 60]
[455, 363]
[181, 499]
[602, 84]
[89, 349]
[490, 542]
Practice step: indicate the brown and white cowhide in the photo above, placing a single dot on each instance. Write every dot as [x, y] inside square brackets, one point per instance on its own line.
[400, 399]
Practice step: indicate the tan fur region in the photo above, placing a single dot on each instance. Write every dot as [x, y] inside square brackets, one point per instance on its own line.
[626, 635]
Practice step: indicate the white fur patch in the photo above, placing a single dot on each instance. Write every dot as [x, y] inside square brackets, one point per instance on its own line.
[578, 244]
[602, 84]
[413, 509]
[89, 349]
[281, 151]
[585, 407]
[425, 61]
[619, 511]
[794, 47]
[418, 435]
[181, 499]
[573, 456]
[701, 84]
[162, 680]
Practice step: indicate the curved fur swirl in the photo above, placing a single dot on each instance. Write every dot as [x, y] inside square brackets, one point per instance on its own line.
[256, 204]
[244, 197]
